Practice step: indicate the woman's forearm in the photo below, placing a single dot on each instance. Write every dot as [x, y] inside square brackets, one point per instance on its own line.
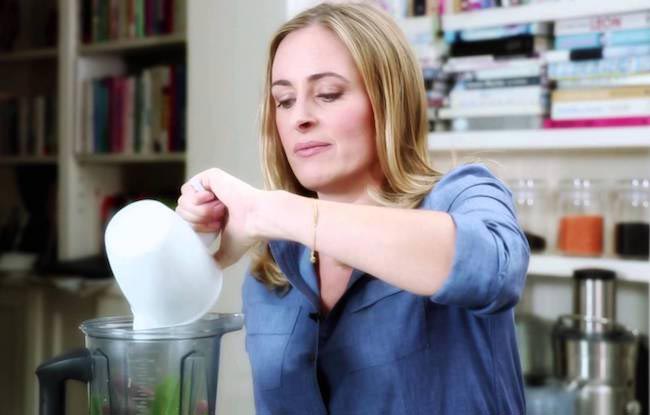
[409, 248]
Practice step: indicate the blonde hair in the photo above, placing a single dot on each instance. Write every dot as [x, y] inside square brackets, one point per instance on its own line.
[393, 81]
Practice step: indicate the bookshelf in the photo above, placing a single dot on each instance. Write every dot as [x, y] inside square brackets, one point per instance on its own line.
[27, 160]
[618, 139]
[608, 154]
[147, 44]
[541, 12]
[563, 267]
[28, 55]
[131, 158]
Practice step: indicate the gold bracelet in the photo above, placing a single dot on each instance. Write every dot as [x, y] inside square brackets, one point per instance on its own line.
[313, 251]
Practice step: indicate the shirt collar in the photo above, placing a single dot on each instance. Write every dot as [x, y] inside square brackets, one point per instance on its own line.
[294, 262]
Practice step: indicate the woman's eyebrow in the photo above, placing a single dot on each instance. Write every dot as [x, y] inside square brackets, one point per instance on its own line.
[311, 78]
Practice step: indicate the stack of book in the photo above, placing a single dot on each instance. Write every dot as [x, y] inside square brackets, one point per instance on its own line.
[499, 78]
[135, 114]
[423, 32]
[601, 71]
[27, 126]
[103, 20]
[460, 6]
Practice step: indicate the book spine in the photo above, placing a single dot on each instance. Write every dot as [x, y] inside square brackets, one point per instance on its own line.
[509, 111]
[146, 134]
[636, 20]
[497, 123]
[598, 122]
[499, 32]
[599, 68]
[619, 108]
[500, 83]
[608, 52]
[23, 125]
[637, 80]
[626, 37]
[39, 125]
[582, 41]
[527, 95]
[625, 92]
[524, 45]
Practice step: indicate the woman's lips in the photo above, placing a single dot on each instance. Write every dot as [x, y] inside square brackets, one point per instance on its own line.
[310, 148]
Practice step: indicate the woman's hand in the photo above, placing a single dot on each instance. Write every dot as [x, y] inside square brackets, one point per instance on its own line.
[228, 205]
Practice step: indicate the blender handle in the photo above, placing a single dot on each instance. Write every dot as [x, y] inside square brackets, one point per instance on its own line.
[52, 374]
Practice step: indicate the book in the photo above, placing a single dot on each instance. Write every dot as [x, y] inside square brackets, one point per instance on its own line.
[595, 40]
[637, 79]
[498, 83]
[477, 112]
[499, 32]
[635, 20]
[521, 45]
[598, 122]
[487, 63]
[607, 52]
[599, 68]
[594, 94]
[525, 95]
[613, 108]
[523, 122]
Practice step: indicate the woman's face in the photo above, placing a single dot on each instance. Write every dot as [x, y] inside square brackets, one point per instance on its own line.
[323, 113]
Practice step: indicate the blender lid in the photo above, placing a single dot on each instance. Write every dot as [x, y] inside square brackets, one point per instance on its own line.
[594, 274]
[121, 328]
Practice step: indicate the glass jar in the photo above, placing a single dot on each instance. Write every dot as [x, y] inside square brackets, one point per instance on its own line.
[632, 218]
[529, 196]
[581, 212]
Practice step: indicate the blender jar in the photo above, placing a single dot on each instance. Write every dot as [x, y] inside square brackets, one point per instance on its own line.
[159, 371]
[529, 196]
[632, 218]
[581, 211]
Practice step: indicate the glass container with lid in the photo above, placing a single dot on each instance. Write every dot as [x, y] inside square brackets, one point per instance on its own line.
[632, 218]
[529, 196]
[581, 212]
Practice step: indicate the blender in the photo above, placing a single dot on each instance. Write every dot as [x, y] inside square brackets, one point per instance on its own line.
[161, 371]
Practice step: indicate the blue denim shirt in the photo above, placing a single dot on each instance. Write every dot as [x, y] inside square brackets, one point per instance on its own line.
[383, 350]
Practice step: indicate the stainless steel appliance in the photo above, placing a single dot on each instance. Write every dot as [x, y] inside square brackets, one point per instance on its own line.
[592, 353]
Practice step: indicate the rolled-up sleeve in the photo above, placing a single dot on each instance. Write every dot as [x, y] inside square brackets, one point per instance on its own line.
[491, 255]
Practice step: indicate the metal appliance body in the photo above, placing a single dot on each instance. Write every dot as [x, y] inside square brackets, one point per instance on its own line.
[592, 353]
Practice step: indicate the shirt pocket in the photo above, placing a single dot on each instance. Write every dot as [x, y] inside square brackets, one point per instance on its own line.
[268, 329]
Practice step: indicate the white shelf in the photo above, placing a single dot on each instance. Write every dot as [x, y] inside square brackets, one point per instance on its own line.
[28, 55]
[542, 12]
[128, 45]
[560, 266]
[19, 160]
[131, 158]
[611, 139]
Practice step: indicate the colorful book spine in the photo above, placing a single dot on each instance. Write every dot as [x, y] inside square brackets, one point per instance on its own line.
[581, 41]
[636, 20]
[610, 81]
[599, 68]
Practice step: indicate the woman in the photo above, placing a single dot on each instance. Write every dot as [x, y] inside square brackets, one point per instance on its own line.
[379, 286]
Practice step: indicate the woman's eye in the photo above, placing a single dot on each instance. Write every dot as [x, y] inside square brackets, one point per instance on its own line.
[285, 103]
[329, 97]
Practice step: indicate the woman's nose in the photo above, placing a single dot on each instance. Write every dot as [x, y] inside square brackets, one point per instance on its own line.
[304, 117]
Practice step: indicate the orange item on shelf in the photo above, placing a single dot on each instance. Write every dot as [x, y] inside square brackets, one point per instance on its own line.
[581, 235]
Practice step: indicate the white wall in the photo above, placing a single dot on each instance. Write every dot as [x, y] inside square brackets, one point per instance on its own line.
[227, 52]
